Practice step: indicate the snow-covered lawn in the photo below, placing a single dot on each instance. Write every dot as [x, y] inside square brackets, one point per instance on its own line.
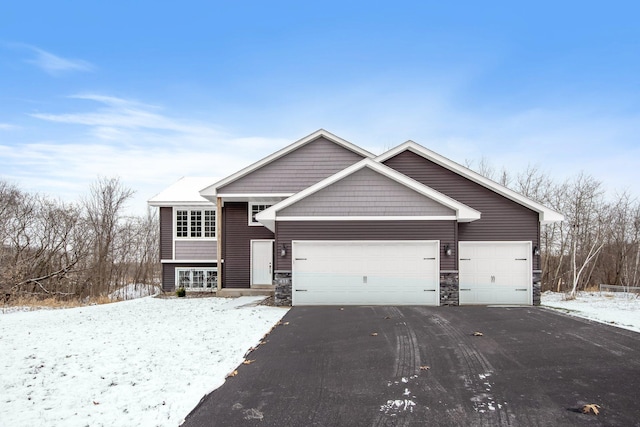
[148, 361]
[617, 309]
[142, 362]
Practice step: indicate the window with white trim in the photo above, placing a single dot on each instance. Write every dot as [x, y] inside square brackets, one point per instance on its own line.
[255, 209]
[196, 223]
[197, 279]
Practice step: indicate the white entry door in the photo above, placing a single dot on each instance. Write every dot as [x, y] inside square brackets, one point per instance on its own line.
[261, 262]
[495, 273]
[366, 273]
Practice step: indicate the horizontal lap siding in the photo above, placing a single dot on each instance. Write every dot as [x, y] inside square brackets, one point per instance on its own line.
[188, 250]
[169, 273]
[366, 193]
[166, 233]
[501, 218]
[237, 244]
[364, 230]
[297, 170]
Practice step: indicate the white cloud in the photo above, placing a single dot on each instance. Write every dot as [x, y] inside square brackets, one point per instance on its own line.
[120, 114]
[150, 148]
[53, 64]
[139, 143]
[7, 126]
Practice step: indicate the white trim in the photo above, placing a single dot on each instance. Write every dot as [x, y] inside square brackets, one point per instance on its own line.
[248, 196]
[366, 218]
[190, 208]
[189, 261]
[250, 211]
[546, 215]
[192, 269]
[211, 190]
[196, 239]
[464, 213]
[169, 204]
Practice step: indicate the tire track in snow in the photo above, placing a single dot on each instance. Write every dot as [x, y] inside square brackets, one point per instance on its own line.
[489, 405]
[399, 406]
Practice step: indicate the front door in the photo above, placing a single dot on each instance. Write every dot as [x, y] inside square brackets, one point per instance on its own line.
[261, 262]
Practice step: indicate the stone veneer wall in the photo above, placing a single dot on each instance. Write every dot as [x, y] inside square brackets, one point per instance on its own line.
[449, 288]
[537, 286]
[282, 282]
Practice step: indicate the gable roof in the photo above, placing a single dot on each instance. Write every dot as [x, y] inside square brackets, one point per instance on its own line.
[185, 191]
[463, 213]
[212, 190]
[546, 215]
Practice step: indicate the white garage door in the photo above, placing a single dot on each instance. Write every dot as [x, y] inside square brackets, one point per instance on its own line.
[366, 272]
[495, 273]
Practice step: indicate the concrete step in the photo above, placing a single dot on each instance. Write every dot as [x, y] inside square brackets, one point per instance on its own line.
[230, 292]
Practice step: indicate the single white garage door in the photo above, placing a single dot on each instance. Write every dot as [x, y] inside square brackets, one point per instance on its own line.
[366, 272]
[495, 273]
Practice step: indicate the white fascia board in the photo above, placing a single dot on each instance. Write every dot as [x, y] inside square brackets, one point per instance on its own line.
[463, 212]
[274, 197]
[211, 191]
[546, 215]
[165, 203]
[188, 261]
[367, 218]
[270, 224]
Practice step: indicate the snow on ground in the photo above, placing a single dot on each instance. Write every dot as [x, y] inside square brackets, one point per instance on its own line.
[617, 309]
[133, 291]
[145, 361]
[149, 361]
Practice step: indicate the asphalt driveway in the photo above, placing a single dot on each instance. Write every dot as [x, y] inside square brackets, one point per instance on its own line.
[416, 366]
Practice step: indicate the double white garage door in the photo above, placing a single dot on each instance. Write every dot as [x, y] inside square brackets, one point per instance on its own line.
[407, 272]
[365, 272]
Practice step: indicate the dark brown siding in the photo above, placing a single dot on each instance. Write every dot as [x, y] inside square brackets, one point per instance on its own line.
[166, 233]
[364, 230]
[236, 251]
[502, 219]
[168, 277]
[169, 274]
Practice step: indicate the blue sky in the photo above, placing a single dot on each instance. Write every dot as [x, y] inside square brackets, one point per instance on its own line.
[152, 91]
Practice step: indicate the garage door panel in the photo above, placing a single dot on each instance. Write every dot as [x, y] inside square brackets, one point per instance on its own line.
[363, 273]
[495, 273]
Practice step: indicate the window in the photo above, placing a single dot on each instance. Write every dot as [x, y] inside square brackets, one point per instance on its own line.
[196, 223]
[197, 279]
[255, 209]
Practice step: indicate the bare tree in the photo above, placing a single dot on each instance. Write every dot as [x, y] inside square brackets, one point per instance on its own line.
[103, 210]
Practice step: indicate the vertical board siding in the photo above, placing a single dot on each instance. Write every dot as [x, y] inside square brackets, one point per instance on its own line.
[502, 219]
[237, 244]
[166, 233]
[296, 170]
[366, 193]
[193, 249]
[444, 231]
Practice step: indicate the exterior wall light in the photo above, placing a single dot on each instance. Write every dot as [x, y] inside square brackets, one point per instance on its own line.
[283, 250]
[536, 251]
[447, 250]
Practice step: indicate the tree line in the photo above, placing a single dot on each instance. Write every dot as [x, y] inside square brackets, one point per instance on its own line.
[51, 248]
[599, 240]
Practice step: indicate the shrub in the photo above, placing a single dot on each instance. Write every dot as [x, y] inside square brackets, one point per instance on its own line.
[181, 292]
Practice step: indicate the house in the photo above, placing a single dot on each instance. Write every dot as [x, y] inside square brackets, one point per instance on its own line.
[325, 222]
